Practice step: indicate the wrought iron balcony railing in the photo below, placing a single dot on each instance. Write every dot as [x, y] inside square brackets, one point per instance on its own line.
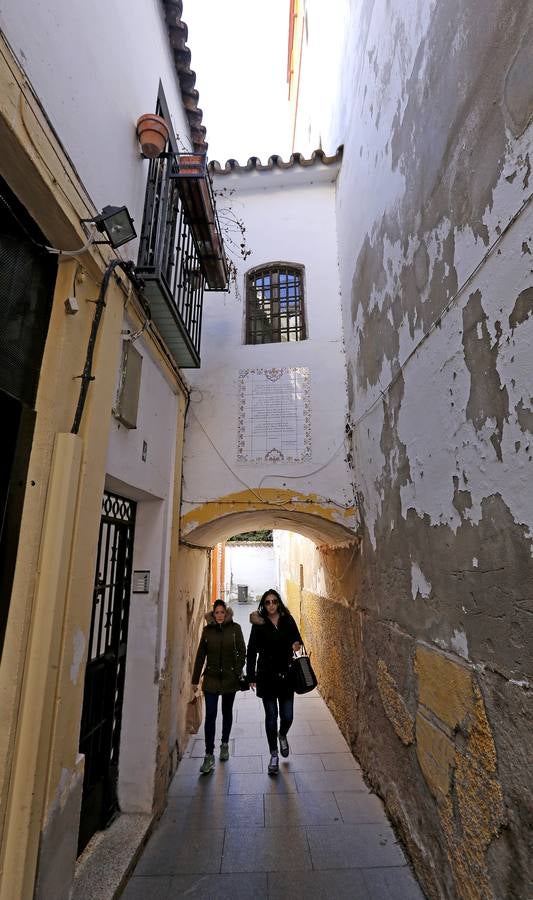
[180, 255]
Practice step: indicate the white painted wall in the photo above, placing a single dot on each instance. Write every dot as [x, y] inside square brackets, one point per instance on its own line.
[292, 224]
[150, 483]
[96, 68]
[251, 564]
[324, 35]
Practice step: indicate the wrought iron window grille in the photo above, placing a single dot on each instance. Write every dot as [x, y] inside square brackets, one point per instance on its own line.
[275, 304]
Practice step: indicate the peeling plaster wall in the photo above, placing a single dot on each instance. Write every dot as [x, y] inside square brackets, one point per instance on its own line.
[434, 104]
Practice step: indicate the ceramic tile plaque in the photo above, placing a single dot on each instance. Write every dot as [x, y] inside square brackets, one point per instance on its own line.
[274, 415]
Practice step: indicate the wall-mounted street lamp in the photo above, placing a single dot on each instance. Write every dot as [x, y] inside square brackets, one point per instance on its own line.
[116, 223]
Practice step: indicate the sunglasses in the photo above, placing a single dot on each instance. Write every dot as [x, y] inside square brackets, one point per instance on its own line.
[271, 602]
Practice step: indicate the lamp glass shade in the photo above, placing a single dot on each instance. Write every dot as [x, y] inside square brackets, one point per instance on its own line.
[117, 224]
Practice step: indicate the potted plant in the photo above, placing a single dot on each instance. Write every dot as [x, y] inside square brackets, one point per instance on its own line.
[152, 132]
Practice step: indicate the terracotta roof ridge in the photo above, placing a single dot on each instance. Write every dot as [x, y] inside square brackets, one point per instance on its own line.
[178, 33]
[275, 162]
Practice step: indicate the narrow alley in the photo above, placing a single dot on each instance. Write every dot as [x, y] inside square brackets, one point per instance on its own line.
[315, 831]
[266, 288]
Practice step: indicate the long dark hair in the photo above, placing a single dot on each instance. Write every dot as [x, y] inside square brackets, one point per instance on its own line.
[282, 609]
[219, 602]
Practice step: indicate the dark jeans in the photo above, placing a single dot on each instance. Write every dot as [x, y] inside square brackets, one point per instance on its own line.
[211, 706]
[286, 707]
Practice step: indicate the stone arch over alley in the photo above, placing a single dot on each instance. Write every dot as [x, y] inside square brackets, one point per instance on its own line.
[310, 515]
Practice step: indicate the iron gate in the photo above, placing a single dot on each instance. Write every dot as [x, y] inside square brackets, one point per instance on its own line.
[106, 664]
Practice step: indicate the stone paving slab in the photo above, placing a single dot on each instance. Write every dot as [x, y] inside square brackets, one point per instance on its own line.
[233, 766]
[247, 746]
[338, 762]
[265, 850]
[249, 713]
[148, 887]
[174, 850]
[220, 887]
[311, 695]
[353, 846]
[358, 807]
[349, 780]
[347, 884]
[300, 727]
[196, 748]
[313, 708]
[392, 884]
[215, 811]
[247, 729]
[199, 887]
[302, 809]
[328, 743]
[284, 783]
[322, 726]
[297, 762]
[192, 785]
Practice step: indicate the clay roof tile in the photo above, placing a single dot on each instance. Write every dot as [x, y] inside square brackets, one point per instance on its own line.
[178, 33]
[275, 162]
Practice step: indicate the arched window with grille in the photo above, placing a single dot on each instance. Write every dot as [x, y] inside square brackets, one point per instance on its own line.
[275, 304]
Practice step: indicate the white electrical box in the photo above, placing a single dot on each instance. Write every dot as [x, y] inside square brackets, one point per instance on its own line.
[127, 405]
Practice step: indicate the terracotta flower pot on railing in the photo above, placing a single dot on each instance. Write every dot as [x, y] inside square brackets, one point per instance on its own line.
[152, 132]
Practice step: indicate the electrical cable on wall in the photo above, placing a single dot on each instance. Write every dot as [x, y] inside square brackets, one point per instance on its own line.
[83, 249]
[87, 376]
[262, 500]
[53, 250]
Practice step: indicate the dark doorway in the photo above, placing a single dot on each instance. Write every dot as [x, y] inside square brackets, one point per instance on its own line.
[106, 665]
[27, 279]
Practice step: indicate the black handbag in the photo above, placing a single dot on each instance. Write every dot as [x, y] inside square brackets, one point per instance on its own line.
[244, 684]
[302, 674]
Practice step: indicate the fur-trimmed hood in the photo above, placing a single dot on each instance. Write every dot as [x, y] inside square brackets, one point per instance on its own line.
[228, 618]
[257, 619]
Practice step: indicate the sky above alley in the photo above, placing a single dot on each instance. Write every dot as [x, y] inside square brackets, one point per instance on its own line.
[239, 54]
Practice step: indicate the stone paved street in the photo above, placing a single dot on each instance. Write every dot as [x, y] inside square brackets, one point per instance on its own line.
[314, 831]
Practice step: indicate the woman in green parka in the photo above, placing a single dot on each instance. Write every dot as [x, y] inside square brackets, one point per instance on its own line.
[222, 645]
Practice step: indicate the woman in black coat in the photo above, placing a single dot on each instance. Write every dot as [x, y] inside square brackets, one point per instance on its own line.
[273, 639]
